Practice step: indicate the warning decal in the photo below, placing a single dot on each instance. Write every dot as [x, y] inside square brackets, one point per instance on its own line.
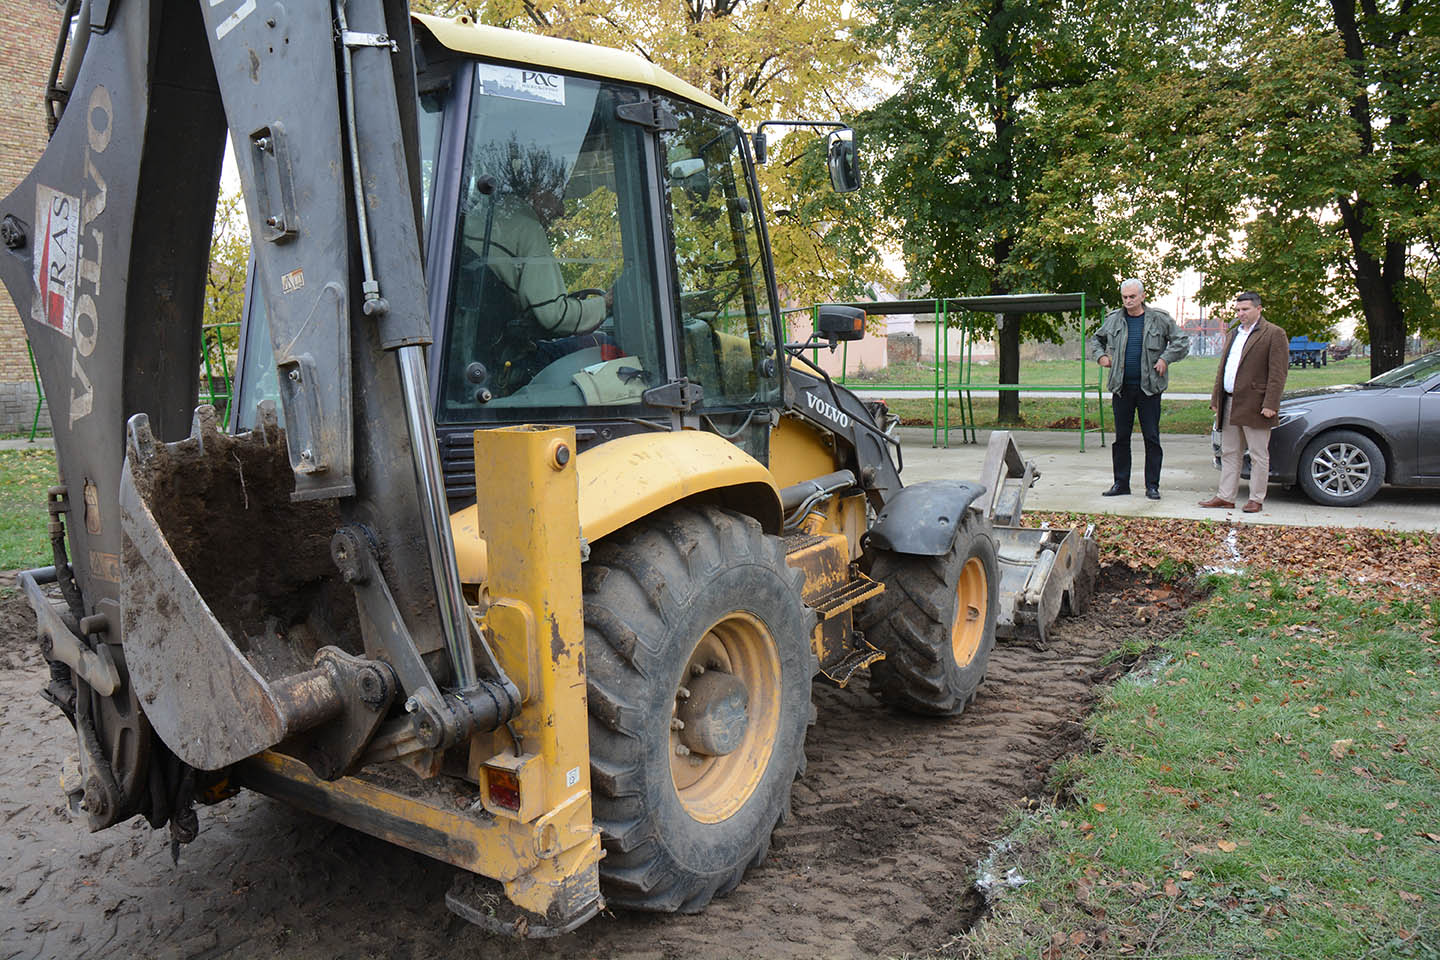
[57, 221]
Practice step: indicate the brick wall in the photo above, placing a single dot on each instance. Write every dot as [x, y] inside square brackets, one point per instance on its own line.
[26, 46]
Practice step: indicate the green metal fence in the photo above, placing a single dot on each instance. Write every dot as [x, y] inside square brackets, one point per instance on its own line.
[941, 386]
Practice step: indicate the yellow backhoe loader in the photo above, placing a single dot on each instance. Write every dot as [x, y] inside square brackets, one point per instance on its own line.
[529, 532]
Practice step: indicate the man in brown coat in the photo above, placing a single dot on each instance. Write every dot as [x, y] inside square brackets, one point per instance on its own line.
[1246, 398]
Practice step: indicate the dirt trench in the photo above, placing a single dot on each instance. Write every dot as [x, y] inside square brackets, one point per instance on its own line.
[889, 820]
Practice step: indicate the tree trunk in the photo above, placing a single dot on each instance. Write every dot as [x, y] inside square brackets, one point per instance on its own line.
[1377, 282]
[1385, 322]
[1007, 342]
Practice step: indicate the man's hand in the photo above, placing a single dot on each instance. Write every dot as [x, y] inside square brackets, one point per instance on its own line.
[1161, 366]
[1104, 360]
[1266, 412]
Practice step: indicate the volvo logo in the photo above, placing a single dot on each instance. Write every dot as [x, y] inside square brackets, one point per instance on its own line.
[828, 410]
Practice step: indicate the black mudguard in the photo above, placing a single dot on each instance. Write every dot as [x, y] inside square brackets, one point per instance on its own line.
[922, 520]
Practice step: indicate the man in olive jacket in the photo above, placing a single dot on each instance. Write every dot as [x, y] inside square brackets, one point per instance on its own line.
[1246, 399]
[1137, 343]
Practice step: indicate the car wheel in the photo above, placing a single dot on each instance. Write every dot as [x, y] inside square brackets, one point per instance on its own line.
[1341, 469]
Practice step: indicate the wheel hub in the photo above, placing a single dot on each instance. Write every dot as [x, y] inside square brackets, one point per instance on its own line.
[716, 714]
[727, 711]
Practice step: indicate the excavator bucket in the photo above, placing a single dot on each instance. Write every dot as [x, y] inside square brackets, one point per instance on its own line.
[223, 671]
[1044, 572]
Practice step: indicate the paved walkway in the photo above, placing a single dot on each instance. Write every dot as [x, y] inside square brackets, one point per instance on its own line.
[1072, 480]
[40, 443]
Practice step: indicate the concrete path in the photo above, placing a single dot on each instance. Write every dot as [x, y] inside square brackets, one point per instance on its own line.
[1072, 480]
[20, 443]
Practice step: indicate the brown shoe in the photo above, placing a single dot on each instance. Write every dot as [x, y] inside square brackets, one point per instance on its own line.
[1252, 506]
[1217, 502]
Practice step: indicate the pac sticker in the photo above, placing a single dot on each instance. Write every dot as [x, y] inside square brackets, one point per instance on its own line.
[57, 221]
[520, 83]
[572, 776]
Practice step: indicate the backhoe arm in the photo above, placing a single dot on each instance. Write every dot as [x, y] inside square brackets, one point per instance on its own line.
[244, 633]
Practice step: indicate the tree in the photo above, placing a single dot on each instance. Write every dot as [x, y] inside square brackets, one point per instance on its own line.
[980, 163]
[1301, 140]
[765, 60]
[225, 287]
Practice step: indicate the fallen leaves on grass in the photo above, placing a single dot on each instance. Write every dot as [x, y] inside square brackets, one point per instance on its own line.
[1358, 560]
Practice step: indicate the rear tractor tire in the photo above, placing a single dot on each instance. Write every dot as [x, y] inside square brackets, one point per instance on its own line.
[699, 664]
[935, 621]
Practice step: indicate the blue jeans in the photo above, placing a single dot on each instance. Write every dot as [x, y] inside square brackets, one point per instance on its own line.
[1126, 404]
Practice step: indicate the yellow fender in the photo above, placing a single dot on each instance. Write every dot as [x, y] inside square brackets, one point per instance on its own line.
[633, 477]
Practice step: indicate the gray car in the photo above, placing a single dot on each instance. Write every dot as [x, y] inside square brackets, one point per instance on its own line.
[1341, 444]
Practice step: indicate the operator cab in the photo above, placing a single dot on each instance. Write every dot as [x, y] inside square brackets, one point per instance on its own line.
[595, 247]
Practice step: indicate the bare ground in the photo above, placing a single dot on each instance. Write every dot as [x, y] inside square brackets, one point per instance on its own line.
[878, 858]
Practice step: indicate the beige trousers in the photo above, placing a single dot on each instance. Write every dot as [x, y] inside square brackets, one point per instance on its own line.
[1234, 441]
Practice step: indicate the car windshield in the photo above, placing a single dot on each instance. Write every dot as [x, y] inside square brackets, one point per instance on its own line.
[1422, 368]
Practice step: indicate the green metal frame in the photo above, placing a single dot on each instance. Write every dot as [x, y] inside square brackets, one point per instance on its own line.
[39, 390]
[966, 386]
[941, 386]
[219, 400]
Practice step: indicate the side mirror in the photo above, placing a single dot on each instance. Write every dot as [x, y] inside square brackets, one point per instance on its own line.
[685, 169]
[841, 323]
[691, 176]
[757, 141]
[843, 159]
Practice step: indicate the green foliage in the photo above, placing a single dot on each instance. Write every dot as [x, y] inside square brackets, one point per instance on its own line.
[225, 284]
[1292, 148]
[764, 61]
[987, 198]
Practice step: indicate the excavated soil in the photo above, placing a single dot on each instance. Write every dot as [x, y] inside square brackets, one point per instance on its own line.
[889, 821]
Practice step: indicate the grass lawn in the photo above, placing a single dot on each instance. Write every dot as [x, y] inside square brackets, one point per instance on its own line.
[25, 476]
[1191, 375]
[1177, 416]
[1267, 787]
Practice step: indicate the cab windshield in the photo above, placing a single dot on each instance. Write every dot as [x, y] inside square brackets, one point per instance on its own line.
[727, 331]
[553, 300]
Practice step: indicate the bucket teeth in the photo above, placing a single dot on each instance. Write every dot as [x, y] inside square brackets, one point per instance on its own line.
[140, 441]
[204, 427]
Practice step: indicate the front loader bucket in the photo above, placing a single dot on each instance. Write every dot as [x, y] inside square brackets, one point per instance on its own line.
[234, 621]
[1043, 572]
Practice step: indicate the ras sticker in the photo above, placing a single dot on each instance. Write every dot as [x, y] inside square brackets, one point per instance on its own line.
[57, 215]
[827, 410]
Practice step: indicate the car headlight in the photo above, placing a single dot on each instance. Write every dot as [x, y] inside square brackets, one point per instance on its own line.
[1288, 414]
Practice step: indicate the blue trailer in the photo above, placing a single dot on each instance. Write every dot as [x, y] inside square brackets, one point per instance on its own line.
[1305, 352]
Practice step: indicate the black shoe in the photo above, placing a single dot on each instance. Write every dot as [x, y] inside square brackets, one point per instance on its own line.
[1117, 491]
[1152, 493]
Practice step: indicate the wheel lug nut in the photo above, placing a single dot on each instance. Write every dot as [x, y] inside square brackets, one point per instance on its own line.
[681, 750]
[676, 723]
[683, 693]
[697, 670]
